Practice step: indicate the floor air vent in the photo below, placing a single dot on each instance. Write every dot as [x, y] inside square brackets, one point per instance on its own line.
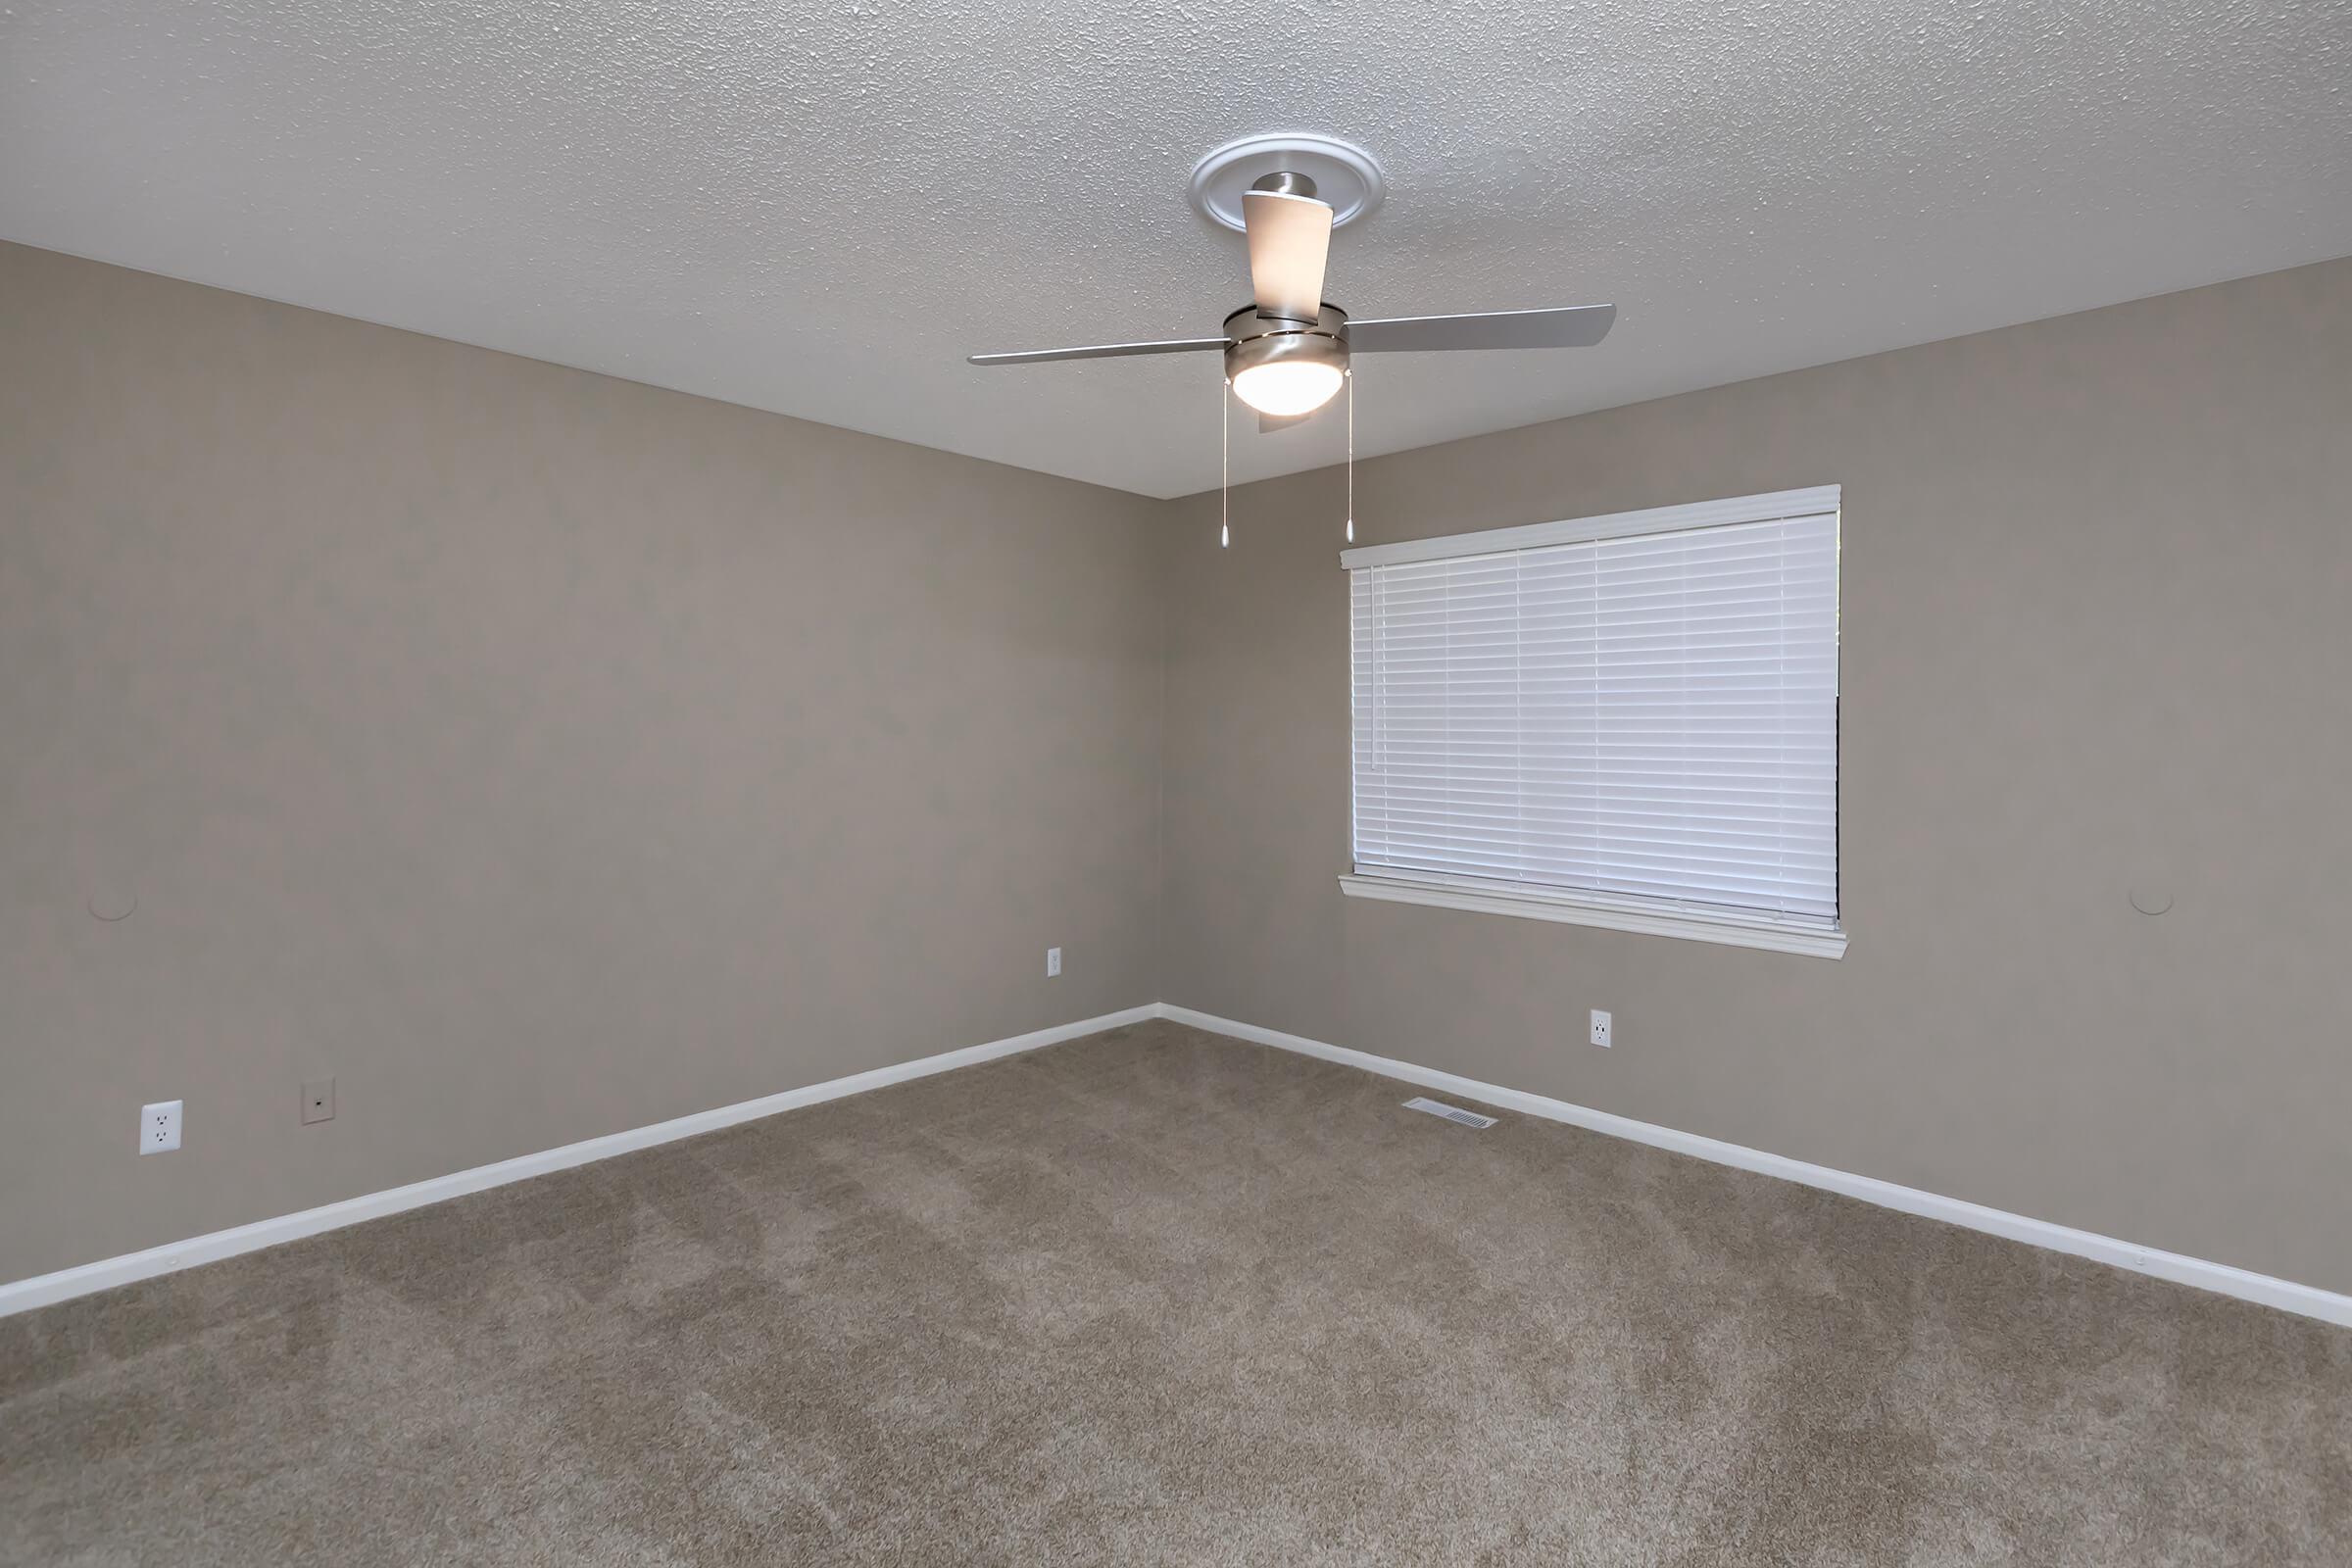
[1453, 1113]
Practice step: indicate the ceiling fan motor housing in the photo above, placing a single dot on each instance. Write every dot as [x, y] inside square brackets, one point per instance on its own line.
[1253, 340]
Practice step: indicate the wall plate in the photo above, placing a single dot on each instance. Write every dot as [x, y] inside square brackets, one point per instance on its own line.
[158, 1127]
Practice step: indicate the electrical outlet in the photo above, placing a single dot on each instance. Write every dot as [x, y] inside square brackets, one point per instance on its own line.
[158, 1127]
[1601, 1028]
[1053, 963]
[318, 1099]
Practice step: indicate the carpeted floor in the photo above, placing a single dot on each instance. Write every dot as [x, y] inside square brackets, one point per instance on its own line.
[1159, 1296]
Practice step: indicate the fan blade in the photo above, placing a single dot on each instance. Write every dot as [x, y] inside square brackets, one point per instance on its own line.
[1573, 327]
[1099, 350]
[1268, 424]
[1290, 236]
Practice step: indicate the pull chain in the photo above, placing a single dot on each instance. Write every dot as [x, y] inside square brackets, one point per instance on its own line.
[1352, 455]
[1225, 466]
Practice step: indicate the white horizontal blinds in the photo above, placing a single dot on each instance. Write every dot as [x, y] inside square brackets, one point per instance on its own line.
[1650, 717]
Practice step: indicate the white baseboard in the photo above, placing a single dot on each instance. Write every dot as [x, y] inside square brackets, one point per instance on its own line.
[2306, 1300]
[43, 1289]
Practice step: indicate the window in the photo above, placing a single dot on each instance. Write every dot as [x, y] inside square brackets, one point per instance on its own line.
[1627, 721]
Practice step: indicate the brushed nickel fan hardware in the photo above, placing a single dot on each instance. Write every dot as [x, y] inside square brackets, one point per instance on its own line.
[1248, 324]
[1285, 183]
[1285, 369]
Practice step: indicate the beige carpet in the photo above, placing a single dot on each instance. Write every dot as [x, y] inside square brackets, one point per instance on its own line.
[1159, 1296]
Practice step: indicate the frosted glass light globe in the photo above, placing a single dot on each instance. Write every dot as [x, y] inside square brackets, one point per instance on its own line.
[1288, 387]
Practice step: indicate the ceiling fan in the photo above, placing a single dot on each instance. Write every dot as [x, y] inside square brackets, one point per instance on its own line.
[1286, 352]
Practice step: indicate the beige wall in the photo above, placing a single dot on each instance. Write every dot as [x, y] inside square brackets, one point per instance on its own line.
[2097, 633]
[544, 755]
[540, 754]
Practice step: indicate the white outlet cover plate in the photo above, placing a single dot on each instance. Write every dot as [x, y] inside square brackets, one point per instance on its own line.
[1601, 1028]
[1053, 963]
[158, 1127]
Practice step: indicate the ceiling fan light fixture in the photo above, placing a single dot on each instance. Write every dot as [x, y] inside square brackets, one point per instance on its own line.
[1286, 369]
[1284, 388]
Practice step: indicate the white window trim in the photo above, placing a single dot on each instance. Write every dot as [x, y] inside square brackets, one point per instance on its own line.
[1570, 906]
[1583, 909]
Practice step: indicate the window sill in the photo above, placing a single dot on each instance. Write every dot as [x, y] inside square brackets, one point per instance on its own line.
[1728, 930]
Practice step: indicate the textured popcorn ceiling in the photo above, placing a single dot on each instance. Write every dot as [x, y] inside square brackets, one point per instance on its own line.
[820, 209]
